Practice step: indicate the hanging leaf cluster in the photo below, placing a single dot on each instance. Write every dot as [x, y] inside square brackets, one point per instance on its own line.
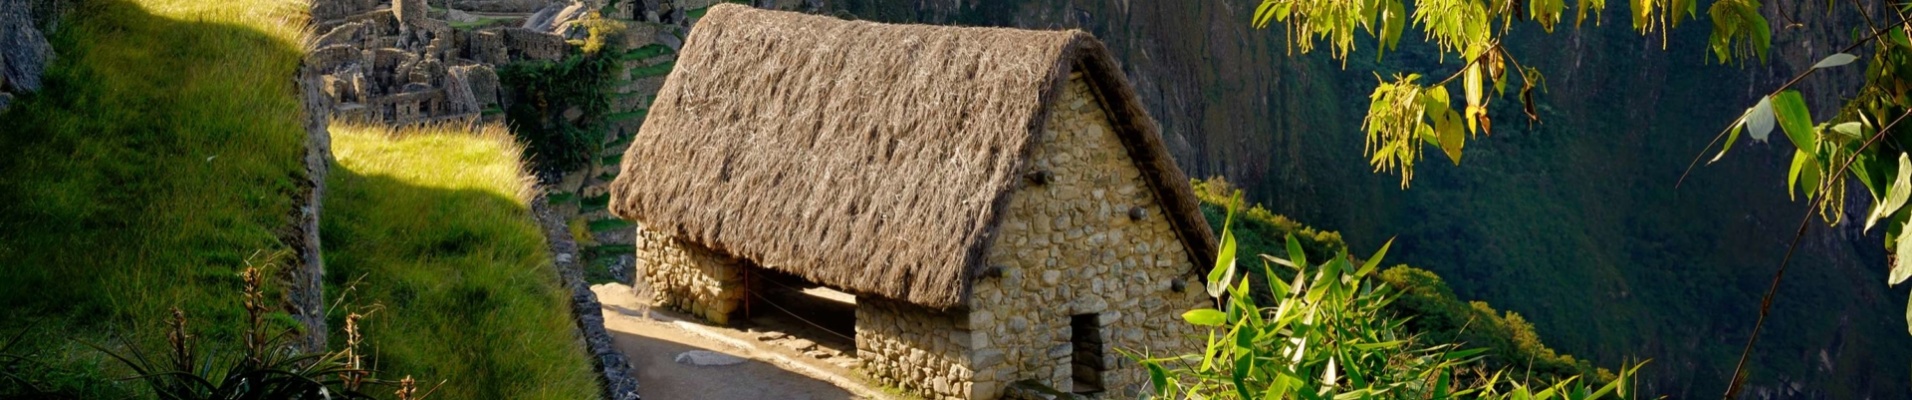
[1402, 110]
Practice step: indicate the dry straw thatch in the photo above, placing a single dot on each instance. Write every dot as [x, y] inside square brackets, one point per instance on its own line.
[870, 157]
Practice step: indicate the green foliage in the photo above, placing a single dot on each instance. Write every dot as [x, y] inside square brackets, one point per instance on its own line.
[600, 32]
[1257, 230]
[543, 92]
[1738, 30]
[1404, 113]
[431, 228]
[610, 225]
[1436, 314]
[265, 365]
[1509, 340]
[1329, 335]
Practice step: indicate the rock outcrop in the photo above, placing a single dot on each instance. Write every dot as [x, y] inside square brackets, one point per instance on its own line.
[24, 50]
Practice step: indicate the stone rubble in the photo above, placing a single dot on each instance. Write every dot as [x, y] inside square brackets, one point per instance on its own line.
[706, 358]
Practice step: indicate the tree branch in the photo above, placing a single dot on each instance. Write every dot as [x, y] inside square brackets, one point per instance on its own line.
[1766, 304]
[1795, 80]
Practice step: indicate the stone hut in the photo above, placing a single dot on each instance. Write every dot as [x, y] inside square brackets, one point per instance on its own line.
[997, 200]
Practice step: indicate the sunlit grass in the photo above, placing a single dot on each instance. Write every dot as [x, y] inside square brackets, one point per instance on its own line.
[442, 157]
[430, 227]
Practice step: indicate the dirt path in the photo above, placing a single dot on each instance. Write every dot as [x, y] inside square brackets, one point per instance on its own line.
[654, 346]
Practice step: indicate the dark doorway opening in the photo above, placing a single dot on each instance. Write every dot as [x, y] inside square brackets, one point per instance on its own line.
[1085, 335]
[807, 317]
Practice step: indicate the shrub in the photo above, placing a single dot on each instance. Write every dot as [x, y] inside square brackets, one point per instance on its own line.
[1330, 334]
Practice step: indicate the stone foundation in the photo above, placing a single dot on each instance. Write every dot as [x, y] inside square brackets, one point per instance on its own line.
[913, 348]
[689, 277]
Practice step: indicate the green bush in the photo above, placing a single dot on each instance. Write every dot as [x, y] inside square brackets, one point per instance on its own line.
[1330, 334]
[542, 92]
[1510, 340]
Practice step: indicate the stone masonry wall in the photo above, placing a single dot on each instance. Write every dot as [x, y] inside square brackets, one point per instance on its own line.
[689, 277]
[1092, 239]
[913, 348]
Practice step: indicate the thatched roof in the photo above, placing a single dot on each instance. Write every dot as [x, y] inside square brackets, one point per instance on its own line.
[870, 157]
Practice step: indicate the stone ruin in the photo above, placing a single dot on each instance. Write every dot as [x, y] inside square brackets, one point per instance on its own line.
[394, 63]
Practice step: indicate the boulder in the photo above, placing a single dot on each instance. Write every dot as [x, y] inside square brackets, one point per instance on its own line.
[24, 48]
[556, 20]
[541, 20]
[671, 41]
[6, 100]
[460, 17]
[705, 358]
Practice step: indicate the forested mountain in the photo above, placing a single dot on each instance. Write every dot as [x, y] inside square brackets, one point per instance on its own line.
[1573, 222]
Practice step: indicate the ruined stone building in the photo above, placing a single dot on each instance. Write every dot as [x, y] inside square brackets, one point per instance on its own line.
[997, 200]
[394, 63]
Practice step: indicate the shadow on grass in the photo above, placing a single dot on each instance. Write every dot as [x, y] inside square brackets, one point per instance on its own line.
[158, 155]
[457, 285]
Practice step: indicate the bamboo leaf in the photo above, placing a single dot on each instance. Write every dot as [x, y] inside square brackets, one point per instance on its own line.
[1205, 317]
[1895, 195]
[1799, 161]
[1294, 251]
[1902, 259]
[1731, 136]
[1374, 260]
[1795, 119]
[1837, 59]
[1759, 120]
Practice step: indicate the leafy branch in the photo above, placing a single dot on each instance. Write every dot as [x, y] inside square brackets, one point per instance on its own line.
[1404, 115]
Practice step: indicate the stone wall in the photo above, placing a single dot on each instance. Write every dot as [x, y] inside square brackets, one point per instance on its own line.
[913, 348]
[1090, 240]
[689, 277]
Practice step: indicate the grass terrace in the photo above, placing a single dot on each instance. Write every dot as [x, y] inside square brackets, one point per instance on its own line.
[428, 231]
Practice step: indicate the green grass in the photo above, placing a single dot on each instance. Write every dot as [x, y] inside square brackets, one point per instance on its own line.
[610, 224]
[596, 201]
[645, 52]
[653, 70]
[638, 114]
[433, 227]
[611, 250]
[164, 148]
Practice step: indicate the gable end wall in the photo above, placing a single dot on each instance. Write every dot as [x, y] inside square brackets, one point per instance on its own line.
[1070, 247]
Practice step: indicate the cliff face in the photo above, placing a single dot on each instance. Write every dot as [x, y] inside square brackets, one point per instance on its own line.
[1573, 222]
